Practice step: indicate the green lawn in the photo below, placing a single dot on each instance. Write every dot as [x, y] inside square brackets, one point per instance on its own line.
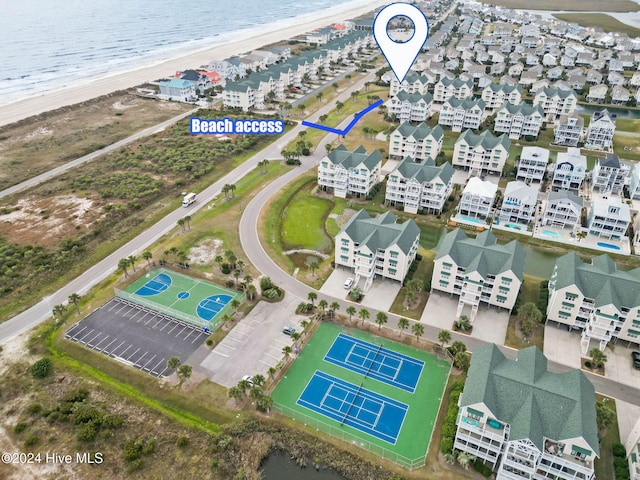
[631, 143]
[603, 466]
[628, 124]
[303, 221]
[415, 433]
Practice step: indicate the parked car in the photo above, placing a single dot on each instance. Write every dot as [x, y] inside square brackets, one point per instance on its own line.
[248, 378]
[288, 330]
[348, 283]
[635, 356]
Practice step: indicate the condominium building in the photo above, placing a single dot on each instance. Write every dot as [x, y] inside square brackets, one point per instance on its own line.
[632, 446]
[595, 298]
[495, 95]
[476, 201]
[570, 170]
[483, 153]
[478, 270]
[634, 181]
[609, 175]
[569, 130]
[178, 90]
[410, 107]
[412, 83]
[518, 204]
[609, 218]
[377, 247]
[348, 173]
[419, 187]
[526, 422]
[459, 114]
[556, 102]
[563, 209]
[517, 121]
[457, 88]
[601, 130]
[416, 141]
[533, 164]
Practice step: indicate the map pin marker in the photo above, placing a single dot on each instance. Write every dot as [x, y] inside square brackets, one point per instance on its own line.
[400, 55]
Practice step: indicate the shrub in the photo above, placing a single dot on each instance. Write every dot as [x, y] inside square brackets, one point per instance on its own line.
[132, 450]
[42, 368]
[226, 268]
[588, 364]
[446, 445]
[209, 342]
[619, 450]
[20, 427]
[31, 440]
[182, 442]
[87, 432]
[34, 409]
[481, 468]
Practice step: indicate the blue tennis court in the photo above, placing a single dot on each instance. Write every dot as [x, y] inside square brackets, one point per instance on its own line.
[352, 405]
[375, 361]
[156, 285]
[210, 306]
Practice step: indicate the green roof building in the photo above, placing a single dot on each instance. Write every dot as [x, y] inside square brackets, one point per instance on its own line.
[526, 422]
[349, 173]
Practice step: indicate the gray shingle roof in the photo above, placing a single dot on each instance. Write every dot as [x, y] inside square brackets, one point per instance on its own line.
[382, 231]
[341, 156]
[565, 194]
[424, 172]
[535, 402]
[483, 254]
[600, 280]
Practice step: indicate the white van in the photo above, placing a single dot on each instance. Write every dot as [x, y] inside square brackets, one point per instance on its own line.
[348, 283]
[189, 199]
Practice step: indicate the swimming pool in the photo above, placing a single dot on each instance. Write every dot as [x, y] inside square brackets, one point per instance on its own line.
[549, 233]
[469, 219]
[608, 245]
[515, 226]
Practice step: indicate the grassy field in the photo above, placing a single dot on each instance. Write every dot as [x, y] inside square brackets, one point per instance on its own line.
[303, 221]
[632, 145]
[413, 439]
[572, 5]
[38, 144]
[601, 20]
[424, 273]
[529, 292]
[628, 124]
[603, 466]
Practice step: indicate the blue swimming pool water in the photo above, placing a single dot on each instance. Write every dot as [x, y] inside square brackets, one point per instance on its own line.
[549, 233]
[515, 226]
[608, 245]
[469, 219]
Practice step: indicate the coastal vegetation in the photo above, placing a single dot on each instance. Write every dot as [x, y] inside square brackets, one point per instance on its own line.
[570, 5]
[599, 20]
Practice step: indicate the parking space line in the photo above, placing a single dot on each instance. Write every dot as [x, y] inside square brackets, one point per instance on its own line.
[97, 335]
[177, 334]
[137, 362]
[135, 314]
[166, 324]
[160, 320]
[88, 333]
[149, 361]
[75, 335]
[114, 340]
[125, 350]
[105, 338]
[147, 322]
[114, 350]
[196, 339]
[156, 365]
[129, 357]
[174, 327]
[161, 374]
[141, 319]
[219, 353]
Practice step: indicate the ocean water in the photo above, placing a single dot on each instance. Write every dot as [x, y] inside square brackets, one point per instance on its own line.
[50, 44]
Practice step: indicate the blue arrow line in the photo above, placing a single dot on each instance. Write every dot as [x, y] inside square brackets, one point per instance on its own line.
[348, 127]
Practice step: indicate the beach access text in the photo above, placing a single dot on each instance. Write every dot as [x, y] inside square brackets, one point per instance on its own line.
[228, 126]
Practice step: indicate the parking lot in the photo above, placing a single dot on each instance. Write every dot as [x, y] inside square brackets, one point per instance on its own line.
[137, 336]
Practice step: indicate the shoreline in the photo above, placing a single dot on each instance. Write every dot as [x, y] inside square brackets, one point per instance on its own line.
[92, 88]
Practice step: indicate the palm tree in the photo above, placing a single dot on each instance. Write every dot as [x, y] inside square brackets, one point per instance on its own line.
[251, 291]
[272, 372]
[264, 403]
[246, 281]
[174, 251]
[339, 106]
[132, 259]
[381, 319]
[312, 296]
[313, 265]
[232, 189]
[240, 265]
[333, 308]
[184, 372]
[235, 303]
[462, 361]
[457, 347]
[75, 299]
[598, 357]
[418, 330]
[328, 147]
[403, 324]
[258, 380]
[363, 314]
[255, 393]
[181, 222]
[225, 318]
[173, 363]
[182, 256]
[444, 336]
[123, 263]
[295, 336]
[305, 325]
[187, 220]
[236, 275]
[225, 190]
[243, 385]
[465, 459]
[147, 255]
[219, 259]
[58, 310]
[323, 305]
[286, 351]
[351, 311]
[235, 393]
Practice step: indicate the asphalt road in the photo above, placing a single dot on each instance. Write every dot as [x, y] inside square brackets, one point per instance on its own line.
[93, 155]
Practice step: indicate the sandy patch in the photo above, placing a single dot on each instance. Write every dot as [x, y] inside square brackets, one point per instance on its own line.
[120, 106]
[14, 349]
[38, 132]
[205, 252]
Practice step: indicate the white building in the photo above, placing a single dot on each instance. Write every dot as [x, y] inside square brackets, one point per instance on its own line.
[478, 270]
[457, 88]
[570, 170]
[410, 107]
[459, 114]
[634, 182]
[412, 83]
[518, 204]
[349, 173]
[601, 130]
[419, 187]
[563, 209]
[596, 298]
[556, 102]
[477, 198]
[483, 153]
[495, 95]
[377, 247]
[632, 446]
[517, 121]
[533, 164]
[178, 90]
[609, 175]
[526, 422]
[569, 130]
[419, 142]
[609, 218]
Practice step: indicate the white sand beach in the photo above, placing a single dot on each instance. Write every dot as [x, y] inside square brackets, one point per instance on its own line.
[74, 94]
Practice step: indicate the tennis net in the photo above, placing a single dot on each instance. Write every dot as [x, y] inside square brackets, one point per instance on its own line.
[355, 397]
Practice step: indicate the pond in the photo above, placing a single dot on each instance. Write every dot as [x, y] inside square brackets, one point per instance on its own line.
[621, 112]
[279, 466]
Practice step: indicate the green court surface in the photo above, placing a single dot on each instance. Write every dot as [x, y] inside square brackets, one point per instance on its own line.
[413, 439]
[187, 298]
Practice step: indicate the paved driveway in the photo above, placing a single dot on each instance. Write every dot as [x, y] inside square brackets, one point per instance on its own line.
[334, 285]
[562, 346]
[619, 367]
[254, 344]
